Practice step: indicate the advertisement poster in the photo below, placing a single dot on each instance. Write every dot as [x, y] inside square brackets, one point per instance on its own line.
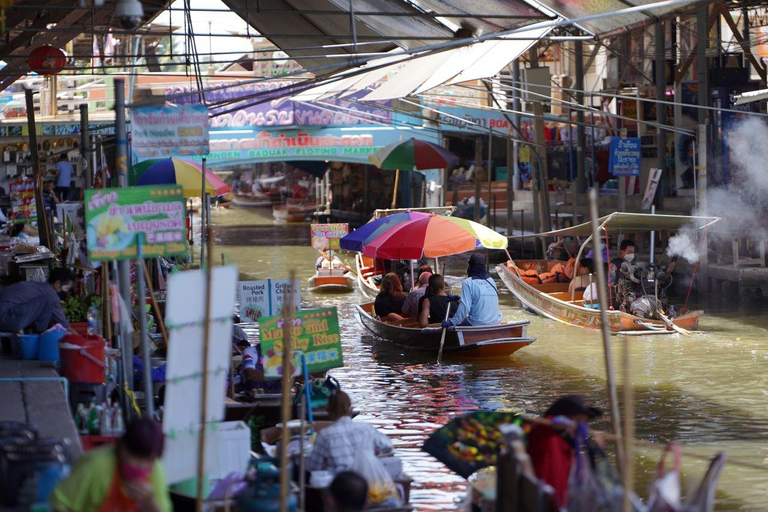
[118, 219]
[23, 208]
[625, 156]
[264, 298]
[326, 236]
[314, 333]
[159, 132]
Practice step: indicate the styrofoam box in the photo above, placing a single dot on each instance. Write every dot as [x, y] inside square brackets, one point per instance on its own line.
[234, 450]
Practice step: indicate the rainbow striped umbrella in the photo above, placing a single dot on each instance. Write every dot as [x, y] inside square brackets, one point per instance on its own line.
[356, 240]
[433, 237]
[413, 154]
[172, 171]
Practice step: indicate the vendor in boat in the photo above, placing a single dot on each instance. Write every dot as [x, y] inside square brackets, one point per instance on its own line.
[336, 445]
[328, 261]
[626, 253]
[551, 446]
[411, 304]
[33, 306]
[436, 302]
[479, 303]
[389, 302]
[580, 281]
[250, 372]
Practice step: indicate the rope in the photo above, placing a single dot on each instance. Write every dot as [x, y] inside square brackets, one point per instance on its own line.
[132, 397]
[695, 268]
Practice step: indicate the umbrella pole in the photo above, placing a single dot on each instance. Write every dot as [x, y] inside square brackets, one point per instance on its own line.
[394, 192]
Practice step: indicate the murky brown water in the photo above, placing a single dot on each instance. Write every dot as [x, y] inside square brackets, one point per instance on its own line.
[708, 391]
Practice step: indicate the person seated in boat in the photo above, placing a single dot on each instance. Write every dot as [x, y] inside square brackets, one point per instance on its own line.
[551, 445]
[327, 261]
[389, 302]
[479, 304]
[411, 304]
[580, 281]
[436, 302]
[336, 445]
[626, 254]
[557, 250]
[250, 373]
[348, 493]
[604, 248]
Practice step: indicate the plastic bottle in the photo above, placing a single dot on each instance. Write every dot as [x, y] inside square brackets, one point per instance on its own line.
[80, 419]
[118, 424]
[105, 420]
[93, 419]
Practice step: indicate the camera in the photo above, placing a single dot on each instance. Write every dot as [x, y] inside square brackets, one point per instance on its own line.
[129, 13]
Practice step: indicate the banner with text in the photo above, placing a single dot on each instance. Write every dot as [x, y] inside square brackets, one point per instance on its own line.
[625, 156]
[326, 236]
[23, 207]
[118, 219]
[159, 132]
[314, 333]
[264, 298]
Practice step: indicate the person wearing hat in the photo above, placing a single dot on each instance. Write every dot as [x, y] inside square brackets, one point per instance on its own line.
[479, 303]
[551, 446]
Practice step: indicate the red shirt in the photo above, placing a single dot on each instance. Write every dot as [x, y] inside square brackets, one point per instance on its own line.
[551, 456]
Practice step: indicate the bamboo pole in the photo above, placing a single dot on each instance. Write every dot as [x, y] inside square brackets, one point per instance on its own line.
[153, 300]
[204, 384]
[628, 473]
[606, 328]
[394, 192]
[285, 408]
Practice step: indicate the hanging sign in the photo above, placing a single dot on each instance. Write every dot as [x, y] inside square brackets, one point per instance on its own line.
[264, 298]
[23, 207]
[625, 156]
[650, 189]
[326, 236]
[314, 333]
[118, 219]
[158, 132]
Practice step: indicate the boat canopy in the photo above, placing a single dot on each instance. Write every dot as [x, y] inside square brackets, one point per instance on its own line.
[620, 223]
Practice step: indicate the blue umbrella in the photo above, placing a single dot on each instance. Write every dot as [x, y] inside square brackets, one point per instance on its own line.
[356, 240]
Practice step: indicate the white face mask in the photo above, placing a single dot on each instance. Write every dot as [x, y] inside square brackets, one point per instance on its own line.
[629, 257]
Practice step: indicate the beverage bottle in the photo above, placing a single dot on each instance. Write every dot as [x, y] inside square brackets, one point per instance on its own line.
[80, 419]
[118, 424]
[93, 419]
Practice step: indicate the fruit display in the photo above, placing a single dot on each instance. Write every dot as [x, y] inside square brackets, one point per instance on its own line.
[76, 308]
[469, 442]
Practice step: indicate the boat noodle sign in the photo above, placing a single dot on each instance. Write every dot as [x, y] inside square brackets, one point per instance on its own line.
[119, 219]
[327, 236]
[625, 156]
[158, 132]
[266, 298]
[314, 334]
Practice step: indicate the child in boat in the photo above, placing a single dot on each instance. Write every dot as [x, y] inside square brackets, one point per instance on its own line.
[390, 300]
[436, 302]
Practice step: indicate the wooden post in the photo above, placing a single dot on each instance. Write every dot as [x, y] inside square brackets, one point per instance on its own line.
[204, 381]
[285, 408]
[42, 220]
[394, 192]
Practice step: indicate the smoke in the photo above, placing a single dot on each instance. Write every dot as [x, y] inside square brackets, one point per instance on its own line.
[684, 245]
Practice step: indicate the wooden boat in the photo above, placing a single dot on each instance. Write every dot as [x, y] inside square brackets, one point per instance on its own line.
[487, 341]
[252, 201]
[553, 300]
[366, 271]
[292, 211]
[331, 281]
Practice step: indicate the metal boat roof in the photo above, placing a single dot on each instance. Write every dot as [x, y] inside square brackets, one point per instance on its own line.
[619, 223]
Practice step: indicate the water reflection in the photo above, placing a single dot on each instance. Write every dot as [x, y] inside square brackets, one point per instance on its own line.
[708, 391]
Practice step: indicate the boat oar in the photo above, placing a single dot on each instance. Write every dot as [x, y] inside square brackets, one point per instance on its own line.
[671, 324]
[445, 329]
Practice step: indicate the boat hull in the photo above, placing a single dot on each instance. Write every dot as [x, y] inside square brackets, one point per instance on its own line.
[252, 202]
[331, 284]
[569, 313]
[480, 342]
[365, 278]
[288, 214]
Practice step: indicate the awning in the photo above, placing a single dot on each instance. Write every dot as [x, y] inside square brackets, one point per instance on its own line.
[619, 223]
[749, 97]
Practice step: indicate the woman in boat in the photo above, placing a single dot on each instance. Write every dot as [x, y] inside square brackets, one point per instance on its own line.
[389, 302]
[580, 282]
[436, 302]
[479, 297]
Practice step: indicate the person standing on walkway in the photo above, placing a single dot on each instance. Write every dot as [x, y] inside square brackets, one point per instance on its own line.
[64, 171]
[35, 306]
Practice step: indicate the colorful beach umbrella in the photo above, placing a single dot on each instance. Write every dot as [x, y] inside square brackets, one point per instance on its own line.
[413, 154]
[356, 240]
[435, 236]
[173, 171]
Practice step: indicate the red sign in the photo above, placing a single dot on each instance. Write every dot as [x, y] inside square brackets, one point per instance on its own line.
[47, 60]
[23, 207]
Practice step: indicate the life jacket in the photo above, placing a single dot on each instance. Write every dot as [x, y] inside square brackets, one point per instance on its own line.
[570, 267]
[559, 270]
[548, 277]
[529, 276]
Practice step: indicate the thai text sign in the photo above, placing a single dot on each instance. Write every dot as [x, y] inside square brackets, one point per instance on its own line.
[266, 298]
[23, 207]
[314, 334]
[300, 144]
[117, 220]
[158, 132]
[327, 236]
[625, 156]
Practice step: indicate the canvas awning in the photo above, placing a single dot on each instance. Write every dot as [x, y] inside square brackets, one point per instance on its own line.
[619, 223]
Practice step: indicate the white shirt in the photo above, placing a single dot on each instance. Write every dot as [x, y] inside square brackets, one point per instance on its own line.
[590, 293]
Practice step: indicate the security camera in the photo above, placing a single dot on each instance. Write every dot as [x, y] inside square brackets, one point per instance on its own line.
[129, 13]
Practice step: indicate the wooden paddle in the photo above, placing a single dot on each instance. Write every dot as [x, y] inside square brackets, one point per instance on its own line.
[669, 323]
[442, 338]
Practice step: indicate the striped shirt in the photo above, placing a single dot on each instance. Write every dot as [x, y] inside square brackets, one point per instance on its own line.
[30, 304]
[336, 445]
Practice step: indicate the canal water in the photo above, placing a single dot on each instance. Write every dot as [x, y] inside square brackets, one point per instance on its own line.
[708, 391]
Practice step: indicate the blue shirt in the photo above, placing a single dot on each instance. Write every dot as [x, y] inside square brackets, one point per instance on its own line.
[606, 256]
[65, 174]
[479, 303]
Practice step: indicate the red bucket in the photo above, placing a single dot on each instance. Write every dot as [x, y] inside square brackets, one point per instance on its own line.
[82, 358]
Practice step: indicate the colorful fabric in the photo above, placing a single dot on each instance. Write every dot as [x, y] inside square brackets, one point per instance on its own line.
[173, 171]
[336, 445]
[88, 486]
[551, 456]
